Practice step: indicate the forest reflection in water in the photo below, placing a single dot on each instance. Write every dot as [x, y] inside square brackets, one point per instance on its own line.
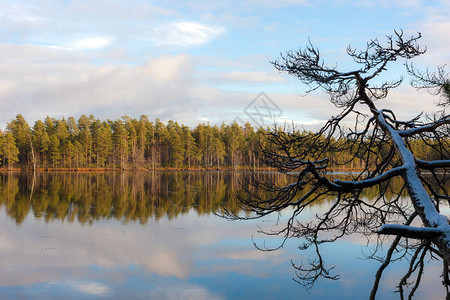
[127, 196]
[152, 234]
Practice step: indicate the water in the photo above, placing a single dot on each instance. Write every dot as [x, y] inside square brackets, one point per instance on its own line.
[154, 236]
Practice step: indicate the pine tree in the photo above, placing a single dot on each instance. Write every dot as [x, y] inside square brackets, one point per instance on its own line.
[176, 147]
[161, 143]
[190, 148]
[120, 143]
[10, 151]
[132, 138]
[22, 134]
[50, 125]
[2, 140]
[218, 149]
[54, 151]
[251, 144]
[85, 139]
[68, 152]
[41, 141]
[151, 149]
[72, 127]
[142, 128]
[201, 142]
[102, 144]
[62, 134]
[234, 141]
[78, 154]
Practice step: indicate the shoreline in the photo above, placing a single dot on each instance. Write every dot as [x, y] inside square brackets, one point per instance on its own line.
[99, 170]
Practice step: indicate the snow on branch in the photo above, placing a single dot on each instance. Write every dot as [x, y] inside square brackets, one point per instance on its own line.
[378, 146]
[371, 181]
[431, 165]
[424, 233]
[425, 128]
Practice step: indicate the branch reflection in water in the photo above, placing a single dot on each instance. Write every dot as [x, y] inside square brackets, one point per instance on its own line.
[360, 212]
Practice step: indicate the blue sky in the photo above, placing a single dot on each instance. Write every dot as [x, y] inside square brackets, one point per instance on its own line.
[193, 61]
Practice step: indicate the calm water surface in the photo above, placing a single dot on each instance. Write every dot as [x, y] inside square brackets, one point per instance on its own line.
[154, 236]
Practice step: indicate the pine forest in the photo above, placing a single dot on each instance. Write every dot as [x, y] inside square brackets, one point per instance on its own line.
[140, 144]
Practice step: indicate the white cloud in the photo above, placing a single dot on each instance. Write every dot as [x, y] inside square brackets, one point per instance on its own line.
[18, 13]
[40, 81]
[185, 34]
[43, 81]
[435, 29]
[246, 77]
[436, 34]
[276, 4]
[71, 86]
[86, 44]
[88, 288]
[168, 263]
[406, 4]
[251, 254]
[183, 291]
[91, 43]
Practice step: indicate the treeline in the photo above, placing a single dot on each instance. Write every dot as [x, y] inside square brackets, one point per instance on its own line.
[127, 143]
[130, 143]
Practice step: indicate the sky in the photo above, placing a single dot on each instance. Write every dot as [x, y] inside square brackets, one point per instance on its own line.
[197, 61]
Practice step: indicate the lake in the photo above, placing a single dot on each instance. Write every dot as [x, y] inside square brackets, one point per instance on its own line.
[153, 235]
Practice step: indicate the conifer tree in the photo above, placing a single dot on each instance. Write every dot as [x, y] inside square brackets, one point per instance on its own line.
[120, 143]
[176, 148]
[190, 147]
[41, 141]
[10, 151]
[102, 144]
[22, 135]
[54, 151]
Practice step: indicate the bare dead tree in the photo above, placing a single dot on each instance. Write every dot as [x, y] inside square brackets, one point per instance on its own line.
[384, 147]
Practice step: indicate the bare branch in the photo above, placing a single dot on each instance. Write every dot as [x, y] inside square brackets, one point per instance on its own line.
[376, 145]
[432, 165]
[425, 128]
[421, 233]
